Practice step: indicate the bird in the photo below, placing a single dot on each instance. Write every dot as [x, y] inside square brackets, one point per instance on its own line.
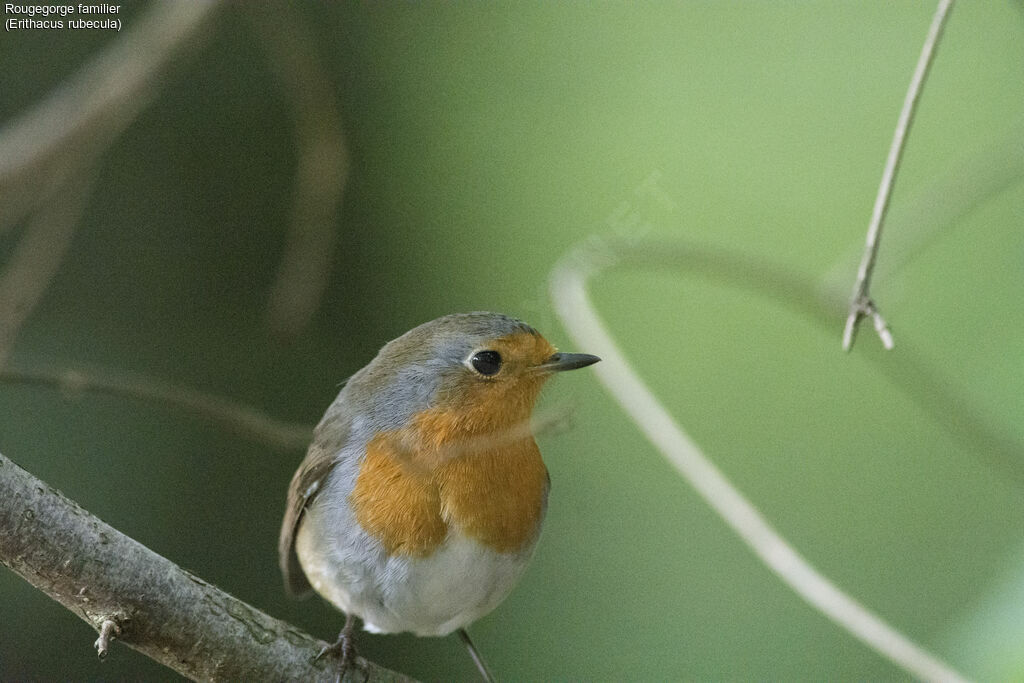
[421, 497]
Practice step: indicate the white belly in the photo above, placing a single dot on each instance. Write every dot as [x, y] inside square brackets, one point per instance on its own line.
[460, 582]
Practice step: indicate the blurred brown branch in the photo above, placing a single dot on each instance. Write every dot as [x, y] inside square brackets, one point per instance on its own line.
[321, 173]
[226, 413]
[126, 591]
[82, 116]
[48, 154]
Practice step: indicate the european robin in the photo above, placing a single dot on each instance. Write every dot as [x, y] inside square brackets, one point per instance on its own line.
[421, 498]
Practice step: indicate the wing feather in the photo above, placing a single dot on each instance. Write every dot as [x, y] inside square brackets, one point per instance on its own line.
[330, 435]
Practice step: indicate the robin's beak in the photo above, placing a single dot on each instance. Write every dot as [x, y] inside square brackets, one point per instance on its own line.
[567, 361]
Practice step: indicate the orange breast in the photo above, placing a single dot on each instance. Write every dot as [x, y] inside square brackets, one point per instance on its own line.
[410, 491]
[497, 497]
[396, 505]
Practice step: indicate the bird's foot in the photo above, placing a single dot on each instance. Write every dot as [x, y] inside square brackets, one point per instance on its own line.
[345, 647]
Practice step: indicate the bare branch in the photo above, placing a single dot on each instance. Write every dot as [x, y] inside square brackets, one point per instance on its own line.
[120, 587]
[241, 419]
[46, 154]
[860, 303]
[569, 296]
[934, 209]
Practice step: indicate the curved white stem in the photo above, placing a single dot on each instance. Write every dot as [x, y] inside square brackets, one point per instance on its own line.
[569, 294]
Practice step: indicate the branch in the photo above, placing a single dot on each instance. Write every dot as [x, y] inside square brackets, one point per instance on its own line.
[934, 209]
[46, 155]
[861, 304]
[125, 590]
[233, 416]
[571, 301]
[238, 418]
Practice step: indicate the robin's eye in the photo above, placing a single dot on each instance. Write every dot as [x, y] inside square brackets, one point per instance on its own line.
[487, 363]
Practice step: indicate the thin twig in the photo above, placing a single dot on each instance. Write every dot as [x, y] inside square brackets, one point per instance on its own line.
[931, 213]
[861, 304]
[572, 303]
[166, 613]
[481, 665]
[236, 417]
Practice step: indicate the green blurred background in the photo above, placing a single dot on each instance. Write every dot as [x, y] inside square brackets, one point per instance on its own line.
[485, 140]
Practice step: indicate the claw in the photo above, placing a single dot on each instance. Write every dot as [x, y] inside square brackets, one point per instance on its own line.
[345, 647]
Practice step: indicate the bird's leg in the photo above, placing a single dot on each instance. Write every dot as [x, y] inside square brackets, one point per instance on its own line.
[345, 645]
[477, 659]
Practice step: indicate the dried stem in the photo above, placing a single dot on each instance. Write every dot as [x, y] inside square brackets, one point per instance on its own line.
[861, 304]
[119, 586]
[571, 301]
[934, 209]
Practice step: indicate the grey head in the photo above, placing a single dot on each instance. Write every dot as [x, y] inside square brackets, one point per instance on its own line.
[407, 373]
